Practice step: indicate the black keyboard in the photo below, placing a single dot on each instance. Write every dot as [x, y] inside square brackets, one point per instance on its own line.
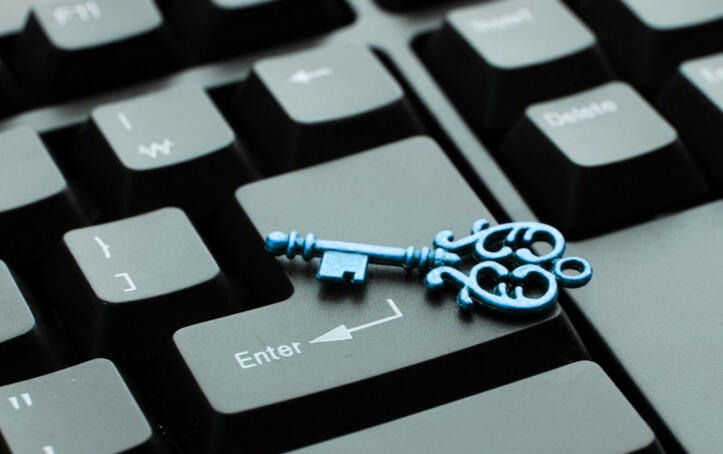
[148, 147]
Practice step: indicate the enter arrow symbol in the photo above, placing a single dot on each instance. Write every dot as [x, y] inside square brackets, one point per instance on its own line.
[305, 77]
[342, 333]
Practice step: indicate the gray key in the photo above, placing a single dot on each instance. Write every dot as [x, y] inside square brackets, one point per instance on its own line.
[25, 350]
[36, 203]
[675, 13]
[575, 408]
[329, 359]
[497, 58]
[84, 409]
[13, 14]
[167, 148]
[656, 303]
[122, 288]
[316, 105]
[71, 47]
[599, 159]
[659, 35]
[693, 102]
[74, 25]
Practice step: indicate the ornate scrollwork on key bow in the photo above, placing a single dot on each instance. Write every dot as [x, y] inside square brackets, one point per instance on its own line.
[508, 266]
[508, 293]
[511, 244]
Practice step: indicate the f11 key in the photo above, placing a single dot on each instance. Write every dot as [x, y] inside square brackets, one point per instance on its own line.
[71, 47]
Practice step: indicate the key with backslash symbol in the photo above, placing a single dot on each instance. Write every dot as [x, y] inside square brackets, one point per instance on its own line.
[342, 261]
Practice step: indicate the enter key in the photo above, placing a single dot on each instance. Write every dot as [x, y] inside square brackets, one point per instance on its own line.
[333, 358]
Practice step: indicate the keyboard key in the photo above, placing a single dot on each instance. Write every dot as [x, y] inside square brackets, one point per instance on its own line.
[279, 376]
[6, 89]
[122, 288]
[497, 58]
[312, 106]
[659, 35]
[24, 347]
[693, 102]
[167, 148]
[575, 408]
[656, 302]
[399, 5]
[36, 204]
[13, 14]
[214, 28]
[599, 159]
[72, 47]
[84, 409]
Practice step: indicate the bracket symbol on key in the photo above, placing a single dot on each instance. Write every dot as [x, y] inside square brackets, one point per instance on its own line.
[342, 261]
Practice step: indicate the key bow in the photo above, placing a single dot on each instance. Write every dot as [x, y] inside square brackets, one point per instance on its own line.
[506, 258]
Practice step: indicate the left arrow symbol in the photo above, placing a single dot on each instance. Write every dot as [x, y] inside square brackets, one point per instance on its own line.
[306, 77]
[341, 332]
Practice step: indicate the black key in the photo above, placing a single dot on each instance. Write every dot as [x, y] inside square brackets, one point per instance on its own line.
[71, 47]
[13, 14]
[599, 159]
[24, 348]
[7, 105]
[84, 409]
[36, 204]
[497, 58]
[658, 35]
[693, 102]
[167, 148]
[656, 302]
[122, 288]
[214, 28]
[258, 381]
[316, 105]
[575, 408]
[399, 5]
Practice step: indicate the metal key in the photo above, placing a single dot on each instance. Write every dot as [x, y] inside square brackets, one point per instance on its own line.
[341, 261]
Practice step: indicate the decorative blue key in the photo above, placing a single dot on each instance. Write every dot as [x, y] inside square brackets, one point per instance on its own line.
[342, 261]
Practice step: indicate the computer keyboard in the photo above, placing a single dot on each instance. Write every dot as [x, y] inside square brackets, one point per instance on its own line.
[147, 147]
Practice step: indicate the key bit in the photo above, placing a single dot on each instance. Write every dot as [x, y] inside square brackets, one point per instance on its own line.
[341, 261]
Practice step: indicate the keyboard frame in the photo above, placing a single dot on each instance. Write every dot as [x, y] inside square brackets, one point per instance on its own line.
[391, 35]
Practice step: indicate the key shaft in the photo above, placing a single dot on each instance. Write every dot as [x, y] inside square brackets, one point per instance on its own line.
[292, 244]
